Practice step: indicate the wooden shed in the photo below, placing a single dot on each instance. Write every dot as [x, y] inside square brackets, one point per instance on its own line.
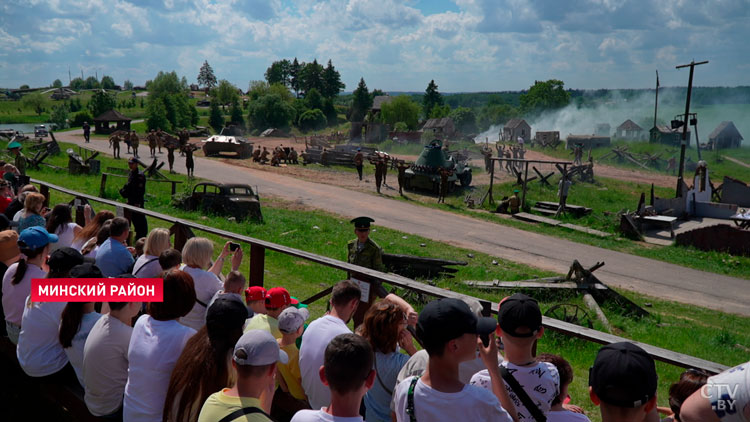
[630, 131]
[442, 128]
[588, 141]
[102, 123]
[516, 128]
[662, 134]
[725, 135]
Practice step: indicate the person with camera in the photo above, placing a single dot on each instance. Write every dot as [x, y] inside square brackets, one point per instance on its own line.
[134, 191]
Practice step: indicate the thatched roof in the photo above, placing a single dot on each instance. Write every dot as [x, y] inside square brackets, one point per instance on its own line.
[629, 125]
[726, 128]
[112, 116]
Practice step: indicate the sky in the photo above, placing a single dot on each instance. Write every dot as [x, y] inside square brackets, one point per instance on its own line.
[464, 45]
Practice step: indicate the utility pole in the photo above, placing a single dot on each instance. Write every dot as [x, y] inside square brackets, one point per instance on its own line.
[656, 101]
[683, 144]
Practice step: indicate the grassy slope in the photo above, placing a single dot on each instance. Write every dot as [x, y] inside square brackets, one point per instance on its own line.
[700, 332]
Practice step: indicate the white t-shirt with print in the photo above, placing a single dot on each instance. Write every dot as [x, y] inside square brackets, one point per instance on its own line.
[541, 382]
[470, 404]
[729, 394]
[314, 343]
[321, 416]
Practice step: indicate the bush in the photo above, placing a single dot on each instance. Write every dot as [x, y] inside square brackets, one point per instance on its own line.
[312, 120]
[59, 116]
[400, 127]
[80, 117]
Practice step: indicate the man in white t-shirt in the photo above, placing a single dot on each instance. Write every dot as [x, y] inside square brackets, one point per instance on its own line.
[349, 374]
[520, 325]
[105, 359]
[344, 301]
[450, 332]
[725, 398]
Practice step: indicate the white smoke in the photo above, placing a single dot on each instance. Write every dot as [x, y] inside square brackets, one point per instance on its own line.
[490, 135]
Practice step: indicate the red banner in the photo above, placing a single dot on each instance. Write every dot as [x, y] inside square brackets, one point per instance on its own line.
[97, 290]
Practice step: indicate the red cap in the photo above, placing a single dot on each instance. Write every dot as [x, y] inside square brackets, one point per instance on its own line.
[255, 293]
[278, 297]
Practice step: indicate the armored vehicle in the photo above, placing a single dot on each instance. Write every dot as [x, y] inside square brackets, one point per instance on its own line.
[425, 173]
[235, 200]
[217, 144]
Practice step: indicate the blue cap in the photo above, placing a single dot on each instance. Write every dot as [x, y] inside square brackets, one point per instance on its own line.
[35, 238]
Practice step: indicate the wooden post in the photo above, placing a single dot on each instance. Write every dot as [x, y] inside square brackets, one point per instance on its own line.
[174, 187]
[492, 179]
[103, 185]
[80, 216]
[257, 265]
[44, 190]
[525, 182]
[181, 234]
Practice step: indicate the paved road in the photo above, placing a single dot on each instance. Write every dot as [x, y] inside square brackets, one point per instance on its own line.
[651, 277]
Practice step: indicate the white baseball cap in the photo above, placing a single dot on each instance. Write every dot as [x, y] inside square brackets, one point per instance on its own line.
[259, 348]
[292, 318]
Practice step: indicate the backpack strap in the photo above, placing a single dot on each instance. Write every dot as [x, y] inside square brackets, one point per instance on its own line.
[377, 375]
[144, 264]
[242, 412]
[521, 394]
[410, 410]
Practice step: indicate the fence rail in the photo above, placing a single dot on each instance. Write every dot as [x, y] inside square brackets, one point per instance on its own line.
[182, 229]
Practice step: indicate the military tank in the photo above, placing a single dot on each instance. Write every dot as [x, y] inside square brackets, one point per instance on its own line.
[425, 173]
[218, 144]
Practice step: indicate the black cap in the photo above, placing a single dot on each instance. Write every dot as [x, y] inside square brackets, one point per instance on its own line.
[226, 313]
[519, 311]
[4, 222]
[362, 222]
[445, 319]
[86, 270]
[64, 259]
[623, 375]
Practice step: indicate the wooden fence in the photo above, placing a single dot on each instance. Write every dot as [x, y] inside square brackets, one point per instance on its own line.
[183, 230]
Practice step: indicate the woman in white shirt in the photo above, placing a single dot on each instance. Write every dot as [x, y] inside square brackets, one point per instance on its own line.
[155, 345]
[78, 318]
[60, 222]
[34, 244]
[196, 256]
[147, 265]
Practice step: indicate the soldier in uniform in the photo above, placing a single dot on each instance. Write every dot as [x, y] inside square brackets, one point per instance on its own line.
[362, 250]
[264, 156]
[184, 137]
[514, 202]
[134, 142]
[324, 157]
[189, 163]
[134, 191]
[378, 173]
[402, 166]
[20, 160]
[577, 154]
[86, 132]
[170, 157]
[151, 138]
[384, 170]
[562, 192]
[293, 158]
[256, 155]
[444, 175]
[114, 142]
[160, 135]
[359, 159]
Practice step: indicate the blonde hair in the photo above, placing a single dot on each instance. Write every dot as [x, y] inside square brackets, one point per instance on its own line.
[33, 201]
[157, 242]
[197, 252]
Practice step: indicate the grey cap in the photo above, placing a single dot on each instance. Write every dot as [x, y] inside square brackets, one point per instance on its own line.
[259, 348]
[292, 318]
[474, 305]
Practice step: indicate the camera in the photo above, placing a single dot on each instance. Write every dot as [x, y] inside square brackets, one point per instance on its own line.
[233, 246]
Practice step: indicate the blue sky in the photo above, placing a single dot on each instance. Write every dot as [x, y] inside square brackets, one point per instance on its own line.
[465, 45]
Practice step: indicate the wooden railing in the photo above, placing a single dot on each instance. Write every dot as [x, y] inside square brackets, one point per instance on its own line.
[182, 229]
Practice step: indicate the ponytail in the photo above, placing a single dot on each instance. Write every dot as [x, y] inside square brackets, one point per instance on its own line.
[22, 265]
[72, 316]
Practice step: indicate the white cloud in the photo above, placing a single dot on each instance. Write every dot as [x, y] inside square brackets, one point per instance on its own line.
[123, 28]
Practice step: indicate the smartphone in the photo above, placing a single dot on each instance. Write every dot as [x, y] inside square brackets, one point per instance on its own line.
[485, 339]
[77, 203]
[233, 246]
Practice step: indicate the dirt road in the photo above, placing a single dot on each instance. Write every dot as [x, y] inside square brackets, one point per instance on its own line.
[655, 278]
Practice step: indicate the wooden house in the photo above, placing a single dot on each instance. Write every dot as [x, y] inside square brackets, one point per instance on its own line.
[725, 135]
[516, 128]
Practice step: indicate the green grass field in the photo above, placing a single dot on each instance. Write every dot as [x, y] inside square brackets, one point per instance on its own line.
[696, 331]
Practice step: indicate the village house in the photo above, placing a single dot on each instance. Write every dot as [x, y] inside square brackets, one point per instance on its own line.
[514, 129]
[725, 135]
[630, 131]
[662, 134]
[442, 128]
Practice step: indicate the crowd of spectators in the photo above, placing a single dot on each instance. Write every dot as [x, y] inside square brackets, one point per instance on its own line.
[217, 350]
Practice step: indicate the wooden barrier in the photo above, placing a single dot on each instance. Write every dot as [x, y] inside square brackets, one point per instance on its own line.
[258, 248]
[103, 184]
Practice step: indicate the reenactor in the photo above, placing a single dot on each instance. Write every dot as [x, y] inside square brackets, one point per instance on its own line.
[134, 191]
[324, 158]
[671, 165]
[293, 158]
[264, 156]
[384, 171]
[521, 155]
[184, 137]
[20, 160]
[170, 157]
[402, 166]
[359, 159]
[189, 163]
[134, 142]
[151, 138]
[276, 158]
[114, 143]
[513, 203]
[160, 135]
[508, 164]
[86, 132]
[363, 251]
[577, 154]
[562, 192]
[487, 153]
[444, 175]
[256, 155]
[378, 173]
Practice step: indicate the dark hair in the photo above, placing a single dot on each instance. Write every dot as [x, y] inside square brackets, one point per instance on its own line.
[59, 217]
[70, 323]
[170, 258]
[690, 382]
[119, 226]
[381, 326]
[344, 292]
[22, 265]
[347, 362]
[201, 369]
[116, 306]
[179, 297]
[104, 232]
[563, 368]
[91, 229]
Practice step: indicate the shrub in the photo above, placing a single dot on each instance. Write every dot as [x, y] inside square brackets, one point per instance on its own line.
[312, 120]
